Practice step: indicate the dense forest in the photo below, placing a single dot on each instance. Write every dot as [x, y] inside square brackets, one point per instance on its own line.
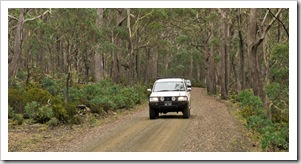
[106, 58]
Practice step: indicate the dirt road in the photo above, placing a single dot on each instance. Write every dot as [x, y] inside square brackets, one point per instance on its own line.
[211, 128]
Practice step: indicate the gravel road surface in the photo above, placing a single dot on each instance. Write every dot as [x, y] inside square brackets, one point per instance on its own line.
[211, 128]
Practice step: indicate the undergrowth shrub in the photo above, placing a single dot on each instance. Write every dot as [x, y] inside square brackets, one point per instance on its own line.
[106, 95]
[50, 85]
[275, 137]
[258, 123]
[71, 113]
[278, 102]
[11, 111]
[38, 94]
[53, 122]
[17, 99]
[77, 120]
[31, 108]
[39, 113]
[59, 111]
[18, 118]
[274, 131]
[43, 100]
[44, 114]
[248, 99]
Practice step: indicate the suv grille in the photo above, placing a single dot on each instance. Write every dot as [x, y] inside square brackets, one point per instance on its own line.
[167, 99]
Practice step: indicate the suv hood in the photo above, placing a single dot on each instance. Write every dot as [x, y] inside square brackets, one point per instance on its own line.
[167, 94]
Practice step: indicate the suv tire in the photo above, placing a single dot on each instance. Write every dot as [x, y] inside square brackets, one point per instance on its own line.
[152, 113]
[157, 114]
[186, 112]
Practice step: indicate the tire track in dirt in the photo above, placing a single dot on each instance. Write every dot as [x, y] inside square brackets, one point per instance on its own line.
[211, 128]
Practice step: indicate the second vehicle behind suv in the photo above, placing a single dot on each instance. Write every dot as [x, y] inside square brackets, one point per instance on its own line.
[169, 95]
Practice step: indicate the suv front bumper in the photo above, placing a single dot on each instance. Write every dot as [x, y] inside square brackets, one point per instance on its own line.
[168, 106]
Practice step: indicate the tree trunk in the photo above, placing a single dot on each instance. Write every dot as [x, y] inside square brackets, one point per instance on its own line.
[241, 48]
[115, 71]
[155, 63]
[137, 59]
[212, 68]
[254, 66]
[130, 48]
[257, 81]
[146, 70]
[167, 59]
[191, 67]
[251, 35]
[98, 57]
[223, 50]
[15, 61]
[198, 72]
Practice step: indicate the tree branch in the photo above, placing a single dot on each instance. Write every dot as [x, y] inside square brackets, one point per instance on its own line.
[265, 16]
[121, 21]
[258, 42]
[280, 22]
[31, 19]
[142, 46]
[12, 17]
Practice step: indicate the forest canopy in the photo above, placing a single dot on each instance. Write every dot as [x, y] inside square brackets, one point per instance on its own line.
[229, 51]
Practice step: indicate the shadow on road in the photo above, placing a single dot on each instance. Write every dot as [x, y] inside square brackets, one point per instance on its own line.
[172, 117]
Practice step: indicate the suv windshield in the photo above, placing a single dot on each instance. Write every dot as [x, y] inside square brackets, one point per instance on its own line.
[169, 86]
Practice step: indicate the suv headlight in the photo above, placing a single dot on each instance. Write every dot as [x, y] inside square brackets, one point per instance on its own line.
[161, 98]
[153, 99]
[182, 98]
[173, 98]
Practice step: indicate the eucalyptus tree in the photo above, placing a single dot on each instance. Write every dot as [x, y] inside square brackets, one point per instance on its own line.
[14, 59]
[241, 49]
[98, 57]
[257, 81]
[205, 41]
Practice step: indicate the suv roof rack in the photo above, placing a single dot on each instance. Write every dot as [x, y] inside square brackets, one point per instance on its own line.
[169, 77]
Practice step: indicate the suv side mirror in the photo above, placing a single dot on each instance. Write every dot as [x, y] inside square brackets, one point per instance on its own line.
[149, 90]
[188, 89]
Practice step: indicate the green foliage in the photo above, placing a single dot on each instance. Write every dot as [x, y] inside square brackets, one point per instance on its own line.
[17, 99]
[77, 120]
[258, 123]
[93, 121]
[50, 85]
[53, 122]
[38, 94]
[21, 75]
[215, 41]
[71, 113]
[183, 39]
[39, 113]
[273, 91]
[106, 95]
[280, 63]
[275, 138]
[11, 111]
[18, 118]
[44, 114]
[248, 99]
[196, 83]
[274, 131]
[60, 112]
[31, 108]
[15, 83]
[278, 95]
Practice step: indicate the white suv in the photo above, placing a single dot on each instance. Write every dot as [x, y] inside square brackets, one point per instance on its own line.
[169, 95]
